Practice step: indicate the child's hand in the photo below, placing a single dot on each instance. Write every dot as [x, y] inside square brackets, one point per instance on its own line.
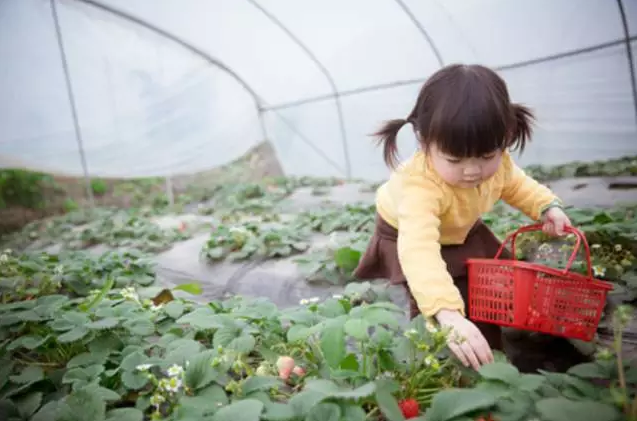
[465, 340]
[555, 222]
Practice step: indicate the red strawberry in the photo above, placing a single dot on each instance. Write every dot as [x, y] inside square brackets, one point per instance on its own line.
[409, 408]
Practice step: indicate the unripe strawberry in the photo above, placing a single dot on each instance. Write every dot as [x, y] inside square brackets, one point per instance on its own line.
[299, 371]
[285, 365]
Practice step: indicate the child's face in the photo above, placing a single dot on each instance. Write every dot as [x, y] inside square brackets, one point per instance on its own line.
[464, 172]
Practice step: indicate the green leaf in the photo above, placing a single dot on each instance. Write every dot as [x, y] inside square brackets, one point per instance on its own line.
[303, 402]
[174, 309]
[73, 335]
[244, 343]
[199, 372]
[192, 288]
[353, 413]
[332, 308]
[347, 258]
[324, 411]
[132, 360]
[76, 318]
[243, 410]
[208, 399]
[588, 371]
[225, 335]
[364, 391]
[350, 363]
[28, 404]
[30, 374]
[6, 367]
[134, 380]
[82, 375]
[324, 386]
[452, 403]
[82, 405]
[562, 409]
[107, 323]
[496, 388]
[357, 328]
[504, 372]
[47, 412]
[530, 382]
[104, 393]
[202, 318]
[332, 342]
[125, 414]
[298, 332]
[275, 411]
[89, 358]
[182, 350]
[388, 405]
[140, 326]
[29, 342]
[256, 383]
[515, 407]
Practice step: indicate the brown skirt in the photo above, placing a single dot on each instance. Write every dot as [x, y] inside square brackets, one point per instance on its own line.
[380, 261]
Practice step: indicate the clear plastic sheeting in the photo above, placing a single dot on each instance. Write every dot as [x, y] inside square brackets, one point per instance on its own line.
[164, 88]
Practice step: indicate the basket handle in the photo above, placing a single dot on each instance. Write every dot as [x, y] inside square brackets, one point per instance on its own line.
[580, 237]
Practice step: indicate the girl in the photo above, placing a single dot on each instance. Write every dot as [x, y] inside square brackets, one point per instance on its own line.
[428, 212]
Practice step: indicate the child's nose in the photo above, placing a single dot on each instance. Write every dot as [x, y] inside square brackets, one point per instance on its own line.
[472, 171]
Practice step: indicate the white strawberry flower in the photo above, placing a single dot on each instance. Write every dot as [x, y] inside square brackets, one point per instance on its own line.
[175, 370]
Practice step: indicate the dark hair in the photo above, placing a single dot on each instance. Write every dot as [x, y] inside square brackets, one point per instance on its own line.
[466, 111]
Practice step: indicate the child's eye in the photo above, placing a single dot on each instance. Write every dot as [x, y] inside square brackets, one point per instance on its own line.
[453, 161]
[488, 157]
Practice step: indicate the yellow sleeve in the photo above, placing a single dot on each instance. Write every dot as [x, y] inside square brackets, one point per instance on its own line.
[419, 207]
[523, 192]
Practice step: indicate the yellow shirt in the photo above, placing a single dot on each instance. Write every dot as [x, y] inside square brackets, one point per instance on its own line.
[428, 213]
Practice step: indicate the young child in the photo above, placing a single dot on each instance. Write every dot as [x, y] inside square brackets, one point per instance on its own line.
[428, 212]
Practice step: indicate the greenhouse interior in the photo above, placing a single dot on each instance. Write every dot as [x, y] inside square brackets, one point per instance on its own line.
[194, 206]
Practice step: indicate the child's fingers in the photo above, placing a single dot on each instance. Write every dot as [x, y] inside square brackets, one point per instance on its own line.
[482, 350]
[548, 228]
[469, 352]
[455, 348]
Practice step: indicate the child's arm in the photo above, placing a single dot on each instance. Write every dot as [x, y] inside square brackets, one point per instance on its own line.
[419, 247]
[426, 272]
[524, 193]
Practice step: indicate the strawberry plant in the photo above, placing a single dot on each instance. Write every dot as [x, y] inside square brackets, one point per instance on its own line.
[109, 227]
[347, 218]
[113, 349]
[605, 389]
[240, 242]
[334, 263]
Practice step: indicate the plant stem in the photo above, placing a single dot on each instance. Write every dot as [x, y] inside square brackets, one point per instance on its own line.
[634, 410]
[372, 413]
[620, 364]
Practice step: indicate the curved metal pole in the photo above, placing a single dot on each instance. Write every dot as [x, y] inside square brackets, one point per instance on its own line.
[422, 31]
[326, 73]
[629, 54]
[71, 95]
[391, 85]
[259, 103]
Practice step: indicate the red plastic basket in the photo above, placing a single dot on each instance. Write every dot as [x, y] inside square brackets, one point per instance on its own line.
[535, 297]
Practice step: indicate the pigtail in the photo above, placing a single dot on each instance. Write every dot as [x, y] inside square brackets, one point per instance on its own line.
[387, 137]
[521, 129]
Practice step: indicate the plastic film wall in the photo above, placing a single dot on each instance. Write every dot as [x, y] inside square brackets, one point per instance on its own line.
[162, 88]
